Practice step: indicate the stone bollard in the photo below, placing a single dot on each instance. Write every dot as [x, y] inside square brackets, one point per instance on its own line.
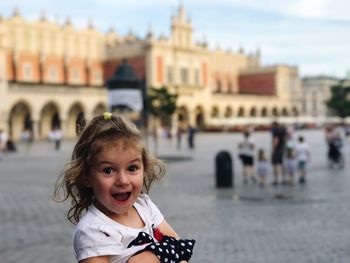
[223, 170]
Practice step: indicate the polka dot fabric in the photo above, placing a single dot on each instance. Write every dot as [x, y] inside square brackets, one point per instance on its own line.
[168, 250]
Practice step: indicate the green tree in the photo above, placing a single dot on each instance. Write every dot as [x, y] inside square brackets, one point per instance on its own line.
[161, 104]
[340, 100]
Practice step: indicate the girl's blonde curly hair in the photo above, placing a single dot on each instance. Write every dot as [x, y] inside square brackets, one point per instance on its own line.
[99, 132]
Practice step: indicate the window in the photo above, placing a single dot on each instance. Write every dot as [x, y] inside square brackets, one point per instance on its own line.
[97, 76]
[196, 77]
[229, 87]
[75, 76]
[27, 71]
[184, 75]
[218, 85]
[53, 77]
[170, 75]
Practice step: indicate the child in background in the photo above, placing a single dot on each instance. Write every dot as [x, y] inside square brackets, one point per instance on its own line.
[262, 167]
[106, 180]
[290, 163]
[303, 156]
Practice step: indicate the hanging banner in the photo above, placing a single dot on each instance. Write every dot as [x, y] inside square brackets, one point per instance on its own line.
[131, 98]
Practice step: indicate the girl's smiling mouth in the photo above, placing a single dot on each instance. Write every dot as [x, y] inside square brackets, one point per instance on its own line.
[121, 197]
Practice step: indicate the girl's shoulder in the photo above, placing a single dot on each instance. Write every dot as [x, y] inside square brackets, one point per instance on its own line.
[144, 200]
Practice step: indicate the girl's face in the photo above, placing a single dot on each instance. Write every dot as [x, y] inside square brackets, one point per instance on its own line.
[116, 178]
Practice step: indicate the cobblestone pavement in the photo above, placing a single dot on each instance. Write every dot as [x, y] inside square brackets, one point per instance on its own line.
[244, 224]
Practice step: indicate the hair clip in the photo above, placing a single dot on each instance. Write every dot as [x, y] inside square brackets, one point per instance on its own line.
[107, 115]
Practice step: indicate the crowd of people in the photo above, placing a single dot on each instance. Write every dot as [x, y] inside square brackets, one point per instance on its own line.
[7, 145]
[289, 155]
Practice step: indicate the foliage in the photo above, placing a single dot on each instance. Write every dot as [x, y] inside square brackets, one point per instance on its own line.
[340, 100]
[161, 104]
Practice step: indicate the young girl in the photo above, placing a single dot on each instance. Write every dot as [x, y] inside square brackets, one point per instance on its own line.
[115, 220]
[290, 162]
[262, 167]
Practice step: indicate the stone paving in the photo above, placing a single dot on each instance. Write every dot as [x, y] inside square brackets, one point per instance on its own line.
[244, 224]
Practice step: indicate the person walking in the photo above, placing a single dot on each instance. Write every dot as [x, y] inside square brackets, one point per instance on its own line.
[246, 148]
[303, 157]
[191, 134]
[56, 136]
[107, 181]
[279, 133]
[179, 132]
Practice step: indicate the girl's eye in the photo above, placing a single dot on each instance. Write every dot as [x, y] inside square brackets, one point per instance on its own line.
[133, 168]
[108, 170]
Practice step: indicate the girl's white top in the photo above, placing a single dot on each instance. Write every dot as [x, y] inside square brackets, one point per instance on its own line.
[98, 235]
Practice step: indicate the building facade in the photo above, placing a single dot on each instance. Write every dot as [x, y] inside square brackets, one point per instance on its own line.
[215, 87]
[49, 73]
[316, 92]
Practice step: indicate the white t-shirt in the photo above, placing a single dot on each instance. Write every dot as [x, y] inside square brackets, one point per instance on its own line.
[246, 146]
[302, 151]
[98, 235]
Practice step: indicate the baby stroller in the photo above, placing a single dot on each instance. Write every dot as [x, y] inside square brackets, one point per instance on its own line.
[335, 155]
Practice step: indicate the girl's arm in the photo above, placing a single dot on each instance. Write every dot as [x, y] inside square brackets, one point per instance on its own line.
[167, 230]
[101, 259]
[144, 257]
[149, 257]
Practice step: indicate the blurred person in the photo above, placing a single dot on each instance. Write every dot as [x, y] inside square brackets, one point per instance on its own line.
[3, 142]
[290, 162]
[107, 181]
[303, 156]
[246, 148]
[179, 133]
[190, 138]
[262, 167]
[279, 133]
[27, 138]
[56, 136]
[335, 154]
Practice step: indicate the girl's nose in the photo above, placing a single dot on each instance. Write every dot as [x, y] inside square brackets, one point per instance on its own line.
[122, 179]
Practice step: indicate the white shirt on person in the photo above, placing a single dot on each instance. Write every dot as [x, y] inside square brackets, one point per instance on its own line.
[302, 151]
[246, 146]
[98, 235]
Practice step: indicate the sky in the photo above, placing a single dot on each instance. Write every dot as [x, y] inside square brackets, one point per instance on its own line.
[313, 35]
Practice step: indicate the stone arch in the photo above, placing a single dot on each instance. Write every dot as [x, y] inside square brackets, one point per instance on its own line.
[228, 112]
[182, 116]
[264, 112]
[215, 112]
[99, 109]
[285, 112]
[253, 112]
[275, 112]
[200, 120]
[295, 111]
[49, 118]
[73, 113]
[240, 112]
[19, 119]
